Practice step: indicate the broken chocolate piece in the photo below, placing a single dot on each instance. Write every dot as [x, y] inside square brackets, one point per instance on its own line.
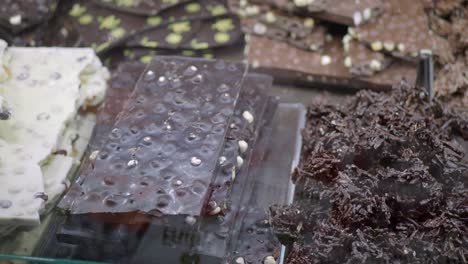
[361, 60]
[291, 64]
[404, 26]
[142, 148]
[313, 40]
[350, 13]
[241, 138]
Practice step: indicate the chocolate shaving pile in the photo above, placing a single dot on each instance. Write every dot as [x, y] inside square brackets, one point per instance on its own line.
[382, 179]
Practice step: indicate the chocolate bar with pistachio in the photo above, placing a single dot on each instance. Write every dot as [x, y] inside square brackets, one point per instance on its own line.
[163, 149]
[148, 7]
[191, 34]
[104, 28]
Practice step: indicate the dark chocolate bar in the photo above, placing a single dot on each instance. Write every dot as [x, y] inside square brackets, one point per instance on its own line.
[241, 137]
[403, 30]
[122, 83]
[18, 15]
[163, 162]
[257, 243]
[147, 7]
[290, 64]
[103, 28]
[191, 34]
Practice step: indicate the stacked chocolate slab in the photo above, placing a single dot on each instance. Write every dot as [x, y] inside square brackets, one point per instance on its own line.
[124, 30]
[350, 44]
[168, 165]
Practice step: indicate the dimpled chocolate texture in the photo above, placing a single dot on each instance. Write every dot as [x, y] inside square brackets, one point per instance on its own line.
[164, 147]
[241, 137]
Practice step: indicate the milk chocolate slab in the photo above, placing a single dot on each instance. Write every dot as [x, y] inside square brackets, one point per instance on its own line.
[17, 15]
[361, 60]
[163, 161]
[403, 30]
[291, 64]
[140, 7]
[312, 39]
[349, 13]
[195, 34]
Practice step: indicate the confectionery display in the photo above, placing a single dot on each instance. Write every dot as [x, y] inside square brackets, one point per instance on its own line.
[233, 131]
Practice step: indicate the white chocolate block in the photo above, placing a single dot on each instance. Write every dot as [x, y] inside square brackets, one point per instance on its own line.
[45, 90]
[21, 186]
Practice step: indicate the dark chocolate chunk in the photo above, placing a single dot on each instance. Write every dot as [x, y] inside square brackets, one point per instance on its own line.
[163, 161]
[56, 31]
[326, 68]
[17, 15]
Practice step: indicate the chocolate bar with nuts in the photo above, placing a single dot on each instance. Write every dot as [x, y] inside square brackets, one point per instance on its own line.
[241, 137]
[290, 64]
[148, 7]
[349, 13]
[403, 31]
[163, 161]
[191, 34]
